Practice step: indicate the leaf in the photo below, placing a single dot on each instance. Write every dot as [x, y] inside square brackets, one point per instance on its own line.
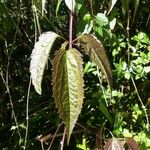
[39, 5]
[78, 6]
[43, 6]
[125, 6]
[112, 24]
[70, 4]
[132, 143]
[113, 2]
[113, 144]
[136, 5]
[67, 82]
[104, 109]
[39, 58]
[95, 50]
[58, 5]
[101, 19]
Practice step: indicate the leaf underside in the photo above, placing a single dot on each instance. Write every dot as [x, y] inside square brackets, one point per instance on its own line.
[95, 50]
[132, 144]
[67, 82]
[113, 144]
[70, 4]
[39, 58]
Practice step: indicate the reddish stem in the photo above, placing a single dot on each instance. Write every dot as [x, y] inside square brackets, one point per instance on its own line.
[70, 29]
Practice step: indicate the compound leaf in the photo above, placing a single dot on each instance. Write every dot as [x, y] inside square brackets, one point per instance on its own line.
[67, 82]
[95, 50]
[39, 58]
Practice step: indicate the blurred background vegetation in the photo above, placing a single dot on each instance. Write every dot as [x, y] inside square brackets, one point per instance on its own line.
[123, 26]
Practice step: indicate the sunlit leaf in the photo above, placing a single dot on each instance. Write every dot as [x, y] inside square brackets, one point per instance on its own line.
[70, 4]
[95, 50]
[101, 19]
[113, 144]
[78, 5]
[112, 24]
[68, 84]
[39, 58]
[113, 2]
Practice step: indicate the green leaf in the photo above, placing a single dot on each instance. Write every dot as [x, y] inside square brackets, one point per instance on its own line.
[79, 5]
[104, 109]
[58, 5]
[87, 17]
[70, 4]
[67, 74]
[136, 5]
[147, 69]
[113, 2]
[39, 58]
[99, 30]
[126, 133]
[95, 50]
[101, 19]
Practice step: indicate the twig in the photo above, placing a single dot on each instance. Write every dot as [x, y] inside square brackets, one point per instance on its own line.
[128, 38]
[103, 90]
[128, 42]
[70, 29]
[63, 139]
[54, 137]
[27, 115]
[91, 5]
[11, 104]
[50, 136]
[143, 106]
[35, 24]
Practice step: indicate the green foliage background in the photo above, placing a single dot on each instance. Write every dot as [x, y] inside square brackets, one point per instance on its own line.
[128, 52]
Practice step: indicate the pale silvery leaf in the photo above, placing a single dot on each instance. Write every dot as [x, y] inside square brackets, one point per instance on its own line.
[88, 27]
[70, 4]
[112, 24]
[39, 58]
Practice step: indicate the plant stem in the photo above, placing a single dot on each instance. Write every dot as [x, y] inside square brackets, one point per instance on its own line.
[63, 139]
[70, 29]
[27, 115]
[54, 137]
